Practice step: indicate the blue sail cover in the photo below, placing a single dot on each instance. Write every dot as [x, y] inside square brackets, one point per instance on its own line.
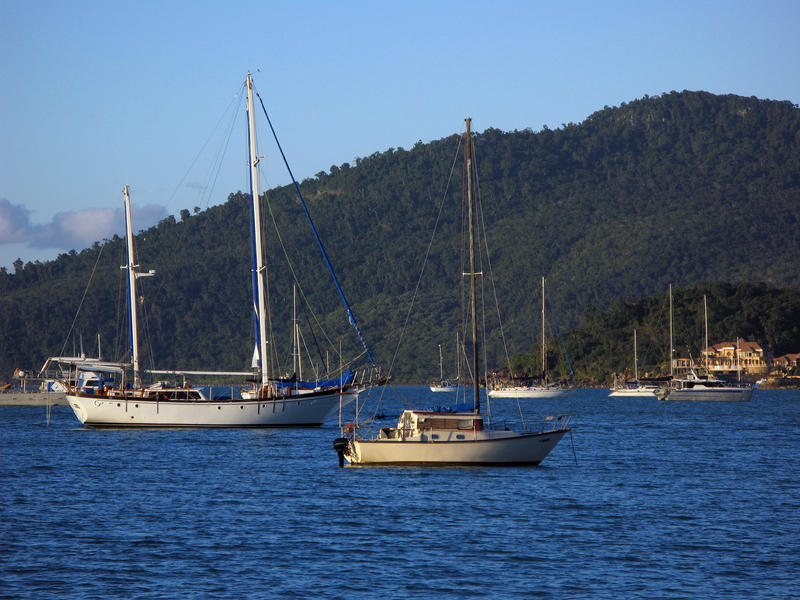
[346, 379]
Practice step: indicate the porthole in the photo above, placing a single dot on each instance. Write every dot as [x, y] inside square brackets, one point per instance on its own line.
[460, 436]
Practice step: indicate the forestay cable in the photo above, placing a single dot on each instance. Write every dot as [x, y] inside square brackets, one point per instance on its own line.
[350, 316]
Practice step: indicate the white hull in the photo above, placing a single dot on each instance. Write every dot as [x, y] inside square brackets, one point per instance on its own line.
[529, 392]
[147, 412]
[638, 392]
[486, 448]
[444, 388]
[719, 394]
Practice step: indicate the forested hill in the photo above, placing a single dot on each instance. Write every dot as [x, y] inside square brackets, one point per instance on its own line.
[681, 188]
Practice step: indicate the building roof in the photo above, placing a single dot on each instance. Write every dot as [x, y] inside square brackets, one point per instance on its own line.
[744, 346]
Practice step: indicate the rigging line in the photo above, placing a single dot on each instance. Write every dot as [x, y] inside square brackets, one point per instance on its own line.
[350, 315]
[484, 345]
[146, 326]
[296, 278]
[80, 304]
[425, 260]
[313, 364]
[560, 337]
[375, 414]
[489, 262]
[272, 351]
[316, 345]
[234, 101]
[221, 154]
[419, 281]
[118, 335]
[481, 229]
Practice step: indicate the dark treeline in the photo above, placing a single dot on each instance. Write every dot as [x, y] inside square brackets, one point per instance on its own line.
[683, 188]
[603, 344]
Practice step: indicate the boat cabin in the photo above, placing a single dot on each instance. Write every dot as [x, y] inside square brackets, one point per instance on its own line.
[434, 425]
[91, 382]
[164, 391]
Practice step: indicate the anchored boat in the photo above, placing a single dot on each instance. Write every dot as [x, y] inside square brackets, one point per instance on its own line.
[461, 435]
[113, 394]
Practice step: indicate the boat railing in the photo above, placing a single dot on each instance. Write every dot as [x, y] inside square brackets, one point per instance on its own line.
[546, 424]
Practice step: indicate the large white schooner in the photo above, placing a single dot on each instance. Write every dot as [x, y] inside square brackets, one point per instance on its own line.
[113, 394]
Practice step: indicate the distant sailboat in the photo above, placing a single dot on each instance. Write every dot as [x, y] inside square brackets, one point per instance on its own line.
[543, 389]
[458, 436]
[444, 385]
[634, 388]
[707, 388]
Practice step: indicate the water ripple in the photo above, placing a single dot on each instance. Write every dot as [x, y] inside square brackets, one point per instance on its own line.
[667, 500]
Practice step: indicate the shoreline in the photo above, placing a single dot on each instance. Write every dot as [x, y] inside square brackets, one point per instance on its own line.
[33, 399]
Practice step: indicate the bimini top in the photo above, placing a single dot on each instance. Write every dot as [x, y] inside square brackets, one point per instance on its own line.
[85, 364]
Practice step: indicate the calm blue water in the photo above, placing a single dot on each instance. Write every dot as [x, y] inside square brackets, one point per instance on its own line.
[668, 500]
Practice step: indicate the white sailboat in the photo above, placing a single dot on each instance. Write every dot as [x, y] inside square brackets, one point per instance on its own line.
[444, 385]
[101, 395]
[707, 388]
[436, 437]
[541, 390]
[634, 388]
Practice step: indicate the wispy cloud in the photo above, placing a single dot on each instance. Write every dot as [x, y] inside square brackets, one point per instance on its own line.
[69, 230]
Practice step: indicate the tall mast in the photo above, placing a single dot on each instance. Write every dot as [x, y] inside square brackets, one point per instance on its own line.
[738, 365]
[259, 308]
[671, 349]
[441, 365]
[294, 329]
[544, 359]
[297, 359]
[473, 274]
[132, 276]
[635, 358]
[705, 320]
[458, 359]
[133, 325]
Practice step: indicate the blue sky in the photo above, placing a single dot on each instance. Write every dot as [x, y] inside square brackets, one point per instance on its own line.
[96, 95]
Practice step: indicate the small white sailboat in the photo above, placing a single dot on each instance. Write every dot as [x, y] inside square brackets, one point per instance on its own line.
[443, 385]
[541, 390]
[457, 437]
[633, 388]
[102, 394]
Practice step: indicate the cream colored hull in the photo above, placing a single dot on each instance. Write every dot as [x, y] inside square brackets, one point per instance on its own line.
[484, 448]
[138, 412]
